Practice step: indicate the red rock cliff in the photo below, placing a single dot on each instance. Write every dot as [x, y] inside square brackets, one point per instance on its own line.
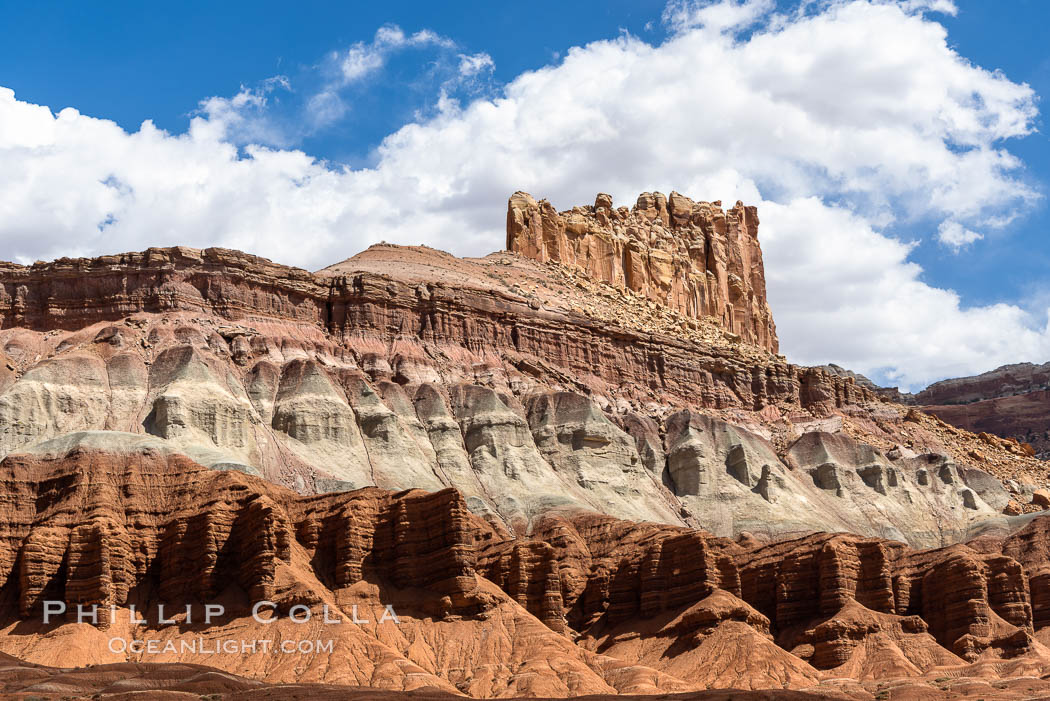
[666, 608]
[693, 257]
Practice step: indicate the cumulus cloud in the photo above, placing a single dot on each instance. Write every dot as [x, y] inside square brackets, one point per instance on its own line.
[846, 124]
[842, 289]
[245, 117]
[956, 236]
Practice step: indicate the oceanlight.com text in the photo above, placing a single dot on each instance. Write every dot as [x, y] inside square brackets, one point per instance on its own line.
[219, 646]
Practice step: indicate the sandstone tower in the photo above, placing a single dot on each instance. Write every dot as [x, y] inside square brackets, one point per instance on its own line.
[693, 257]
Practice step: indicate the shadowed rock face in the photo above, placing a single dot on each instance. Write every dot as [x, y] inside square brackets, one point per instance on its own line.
[824, 481]
[693, 257]
[583, 604]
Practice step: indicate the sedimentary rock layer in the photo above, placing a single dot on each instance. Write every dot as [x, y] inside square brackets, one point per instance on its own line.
[499, 377]
[1023, 417]
[71, 294]
[1006, 381]
[583, 604]
[693, 257]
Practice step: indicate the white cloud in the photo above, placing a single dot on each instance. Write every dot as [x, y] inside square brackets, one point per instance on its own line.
[363, 59]
[946, 7]
[956, 236]
[326, 91]
[472, 64]
[359, 61]
[322, 108]
[682, 15]
[845, 124]
[840, 289]
[244, 118]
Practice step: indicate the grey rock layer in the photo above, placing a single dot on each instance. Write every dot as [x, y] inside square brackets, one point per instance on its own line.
[321, 424]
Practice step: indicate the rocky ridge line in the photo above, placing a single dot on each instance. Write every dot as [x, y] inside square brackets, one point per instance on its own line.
[1005, 381]
[1012, 401]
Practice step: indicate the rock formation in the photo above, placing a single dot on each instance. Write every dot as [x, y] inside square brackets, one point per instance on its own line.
[522, 385]
[180, 681]
[1006, 381]
[693, 257]
[575, 467]
[1011, 402]
[584, 604]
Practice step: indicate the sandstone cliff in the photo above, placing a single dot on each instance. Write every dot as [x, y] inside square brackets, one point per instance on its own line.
[1006, 381]
[693, 257]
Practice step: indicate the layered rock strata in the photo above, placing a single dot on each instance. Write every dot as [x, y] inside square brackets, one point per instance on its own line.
[585, 604]
[1006, 381]
[823, 597]
[362, 309]
[693, 257]
[506, 379]
[1011, 402]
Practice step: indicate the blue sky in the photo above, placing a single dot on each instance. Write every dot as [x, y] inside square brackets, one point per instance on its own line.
[131, 61]
[1007, 36]
[264, 65]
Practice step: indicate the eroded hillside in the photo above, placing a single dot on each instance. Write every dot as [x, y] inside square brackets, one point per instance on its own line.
[585, 604]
